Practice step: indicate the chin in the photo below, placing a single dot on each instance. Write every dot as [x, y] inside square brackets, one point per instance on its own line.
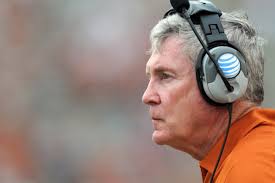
[160, 138]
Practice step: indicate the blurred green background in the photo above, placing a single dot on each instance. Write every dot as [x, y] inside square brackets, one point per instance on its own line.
[72, 75]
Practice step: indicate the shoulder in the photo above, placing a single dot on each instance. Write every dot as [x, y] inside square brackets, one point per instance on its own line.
[253, 158]
[252, 170]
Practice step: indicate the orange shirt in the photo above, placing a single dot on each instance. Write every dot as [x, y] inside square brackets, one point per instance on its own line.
[249, 154]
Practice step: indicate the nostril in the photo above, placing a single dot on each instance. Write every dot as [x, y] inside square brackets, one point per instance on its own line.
[152, 103]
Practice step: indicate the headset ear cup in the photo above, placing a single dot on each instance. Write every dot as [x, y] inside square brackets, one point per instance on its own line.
[209, 81]
[199, 76]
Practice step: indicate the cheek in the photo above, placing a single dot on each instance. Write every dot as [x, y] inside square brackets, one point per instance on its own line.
[182, 98]
[184, 106]
[177, 103]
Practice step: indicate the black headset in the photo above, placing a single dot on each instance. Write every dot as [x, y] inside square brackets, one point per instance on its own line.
[221, 67]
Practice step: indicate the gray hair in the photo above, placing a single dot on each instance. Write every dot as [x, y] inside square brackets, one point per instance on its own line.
[239, 32]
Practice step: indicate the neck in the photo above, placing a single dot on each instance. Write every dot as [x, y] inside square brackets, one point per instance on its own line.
[218, 127]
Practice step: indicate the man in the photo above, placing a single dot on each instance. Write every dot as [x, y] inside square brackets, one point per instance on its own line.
[184, 120]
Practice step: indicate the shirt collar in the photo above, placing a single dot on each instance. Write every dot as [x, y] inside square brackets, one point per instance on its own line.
[238, 129]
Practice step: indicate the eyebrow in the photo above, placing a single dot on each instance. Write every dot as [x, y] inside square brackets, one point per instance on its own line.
[158, 69]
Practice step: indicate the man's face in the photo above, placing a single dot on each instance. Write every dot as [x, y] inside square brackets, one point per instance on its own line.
[173, 97]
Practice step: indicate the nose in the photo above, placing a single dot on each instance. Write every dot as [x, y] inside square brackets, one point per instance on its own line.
[150, 95]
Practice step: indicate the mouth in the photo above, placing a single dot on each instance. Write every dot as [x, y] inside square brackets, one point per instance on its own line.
[156, 123]
[156, 119]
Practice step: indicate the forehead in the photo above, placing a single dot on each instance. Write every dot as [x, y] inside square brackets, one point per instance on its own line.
[170, 56]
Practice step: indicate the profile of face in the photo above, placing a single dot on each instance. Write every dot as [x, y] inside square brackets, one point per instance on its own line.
[176, 106]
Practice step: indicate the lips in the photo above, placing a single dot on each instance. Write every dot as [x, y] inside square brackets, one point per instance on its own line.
[154, 115]
[156, 119]
[156, 122]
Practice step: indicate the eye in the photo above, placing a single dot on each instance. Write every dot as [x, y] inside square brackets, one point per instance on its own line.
[164, 76]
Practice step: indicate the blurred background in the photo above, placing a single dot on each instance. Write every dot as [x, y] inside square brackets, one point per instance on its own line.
[72, 74]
